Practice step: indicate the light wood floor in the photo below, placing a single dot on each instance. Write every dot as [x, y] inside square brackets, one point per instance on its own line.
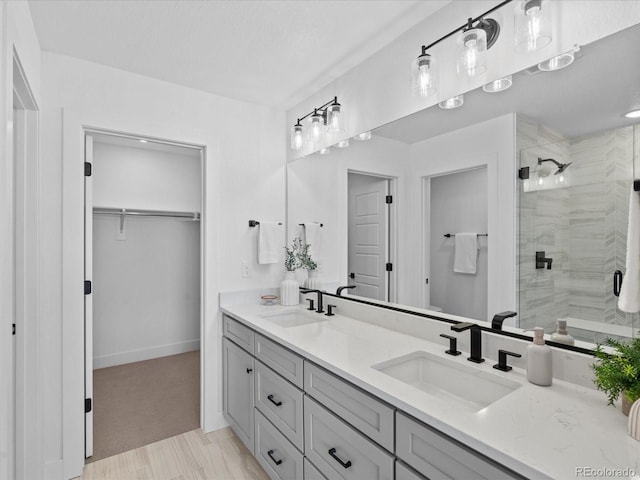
[194, 455]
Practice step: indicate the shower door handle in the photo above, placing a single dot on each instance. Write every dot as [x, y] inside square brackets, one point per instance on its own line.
[617, 282]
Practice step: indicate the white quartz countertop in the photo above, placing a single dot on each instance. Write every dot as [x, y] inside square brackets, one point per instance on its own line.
[539, 432]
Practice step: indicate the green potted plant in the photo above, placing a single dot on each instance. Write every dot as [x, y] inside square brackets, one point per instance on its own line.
[618, 373]
[310, 265]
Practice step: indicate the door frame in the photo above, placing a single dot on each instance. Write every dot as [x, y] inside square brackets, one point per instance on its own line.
[392, 232]
[26, 292]
[463, 165]
[74, 126]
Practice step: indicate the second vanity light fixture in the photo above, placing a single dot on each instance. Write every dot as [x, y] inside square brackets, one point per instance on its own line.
[478, 35]
[327, 118]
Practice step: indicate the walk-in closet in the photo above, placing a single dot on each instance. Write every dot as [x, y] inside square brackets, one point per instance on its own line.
[143, 249]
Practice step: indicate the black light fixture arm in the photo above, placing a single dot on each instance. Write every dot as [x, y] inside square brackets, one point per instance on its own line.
[320, 108]
[471, 21]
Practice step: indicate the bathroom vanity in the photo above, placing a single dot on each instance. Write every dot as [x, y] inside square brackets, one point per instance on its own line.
[373, 395]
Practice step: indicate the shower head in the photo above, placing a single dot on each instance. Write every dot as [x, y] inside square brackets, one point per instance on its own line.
[561, 166]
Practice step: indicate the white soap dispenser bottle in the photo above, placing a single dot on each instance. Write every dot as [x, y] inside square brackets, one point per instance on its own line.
[561, 335]
[539, 360]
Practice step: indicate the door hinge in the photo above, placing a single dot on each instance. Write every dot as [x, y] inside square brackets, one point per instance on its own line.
[426, 281]
[388, 199]
[87, 169]
[13, 329]
[87, 405]
[389, 267]
[523, 173]
[87, 287]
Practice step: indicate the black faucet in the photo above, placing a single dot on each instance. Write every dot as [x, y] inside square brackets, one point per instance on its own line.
[319, 308]
[476, 339]
[541, 261]
[340, 289]
[498, 318]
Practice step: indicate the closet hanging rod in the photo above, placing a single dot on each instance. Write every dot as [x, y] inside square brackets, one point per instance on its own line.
[255, 223]
[146, 213]
[449, 235]
[302, 224]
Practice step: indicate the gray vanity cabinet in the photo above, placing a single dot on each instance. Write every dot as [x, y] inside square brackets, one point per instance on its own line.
[237, 378]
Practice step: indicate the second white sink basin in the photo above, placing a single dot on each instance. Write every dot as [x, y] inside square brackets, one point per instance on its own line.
[294, 318]
[467, 386]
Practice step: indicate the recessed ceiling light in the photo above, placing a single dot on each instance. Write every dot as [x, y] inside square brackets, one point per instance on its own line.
[498, 85]
[142, 141]
[453, 102]
[342, 144]
[633, 114]
[325, 151]
[363, 136]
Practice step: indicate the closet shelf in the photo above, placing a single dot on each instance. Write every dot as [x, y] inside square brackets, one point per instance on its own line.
[195, 216]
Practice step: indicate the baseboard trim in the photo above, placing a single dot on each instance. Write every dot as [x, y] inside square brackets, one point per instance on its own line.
[121, 358]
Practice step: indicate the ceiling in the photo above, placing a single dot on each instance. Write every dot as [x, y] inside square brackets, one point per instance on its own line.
[589, 96]
[273, 53]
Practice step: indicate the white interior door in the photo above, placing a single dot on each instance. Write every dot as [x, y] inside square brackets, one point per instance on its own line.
[88, 300]
[368, 235]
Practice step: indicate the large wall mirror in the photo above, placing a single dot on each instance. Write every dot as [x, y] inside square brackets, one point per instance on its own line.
[530, 185]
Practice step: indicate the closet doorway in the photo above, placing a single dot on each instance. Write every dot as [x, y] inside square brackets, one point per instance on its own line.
[143, 200]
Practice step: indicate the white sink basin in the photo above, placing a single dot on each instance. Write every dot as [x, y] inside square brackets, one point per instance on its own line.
[294, 318]
[467, 386]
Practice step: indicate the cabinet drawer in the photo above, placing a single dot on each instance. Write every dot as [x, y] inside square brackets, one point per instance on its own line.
[340, 452]
[241, 335]
[404, 473]
[367, 414]
[437, 456]
[311, 472]
[275, 453]
[280, 402]
[283, 361]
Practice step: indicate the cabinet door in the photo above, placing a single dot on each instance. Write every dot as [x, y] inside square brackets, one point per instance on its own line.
[238, 368]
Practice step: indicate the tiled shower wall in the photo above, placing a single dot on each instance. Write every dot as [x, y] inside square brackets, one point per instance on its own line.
[581, 225]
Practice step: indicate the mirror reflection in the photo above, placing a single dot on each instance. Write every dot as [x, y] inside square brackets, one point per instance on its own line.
[431, 212]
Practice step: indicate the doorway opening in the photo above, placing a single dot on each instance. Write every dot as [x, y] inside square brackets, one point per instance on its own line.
[370, 238]
[143, 291]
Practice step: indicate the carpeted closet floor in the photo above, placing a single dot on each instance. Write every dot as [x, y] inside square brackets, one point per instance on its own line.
[140, 403]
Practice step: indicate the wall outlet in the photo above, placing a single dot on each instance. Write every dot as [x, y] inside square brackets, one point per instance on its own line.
[245, 269]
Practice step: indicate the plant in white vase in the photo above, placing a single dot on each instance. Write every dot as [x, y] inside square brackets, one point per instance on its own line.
[310, 265]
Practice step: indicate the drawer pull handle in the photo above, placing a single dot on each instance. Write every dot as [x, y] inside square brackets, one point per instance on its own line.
[270, 398]
[270, 453]
[346, 464]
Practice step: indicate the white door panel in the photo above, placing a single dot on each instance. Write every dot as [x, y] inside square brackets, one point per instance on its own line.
[88, 299]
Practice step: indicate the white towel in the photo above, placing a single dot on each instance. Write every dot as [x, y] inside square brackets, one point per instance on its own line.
[269, 243]
[466, 253]
[313, 236]
[629, 300]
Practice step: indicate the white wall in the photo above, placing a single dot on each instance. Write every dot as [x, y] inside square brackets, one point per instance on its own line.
[458, 203]
[378, 90]
[247, 181]
[127, 177]
[490, 143]
[146, 289]
[318, 191]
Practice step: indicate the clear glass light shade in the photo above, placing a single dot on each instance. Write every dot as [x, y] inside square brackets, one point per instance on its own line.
[335, 118]
[297, 137]
[498, 85]
[424, 76]
[532, 26]
[453, 102]
[472, 52]
[343, 143]
[363, 136]
[315, 128]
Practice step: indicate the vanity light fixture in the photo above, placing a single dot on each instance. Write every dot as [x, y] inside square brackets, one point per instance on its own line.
[453, 102]
[327, 118]
[363, 136]
[478, 35]
[499, 85]
[633, 114]
[343, 143]
[559, 61]
[532, 26]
